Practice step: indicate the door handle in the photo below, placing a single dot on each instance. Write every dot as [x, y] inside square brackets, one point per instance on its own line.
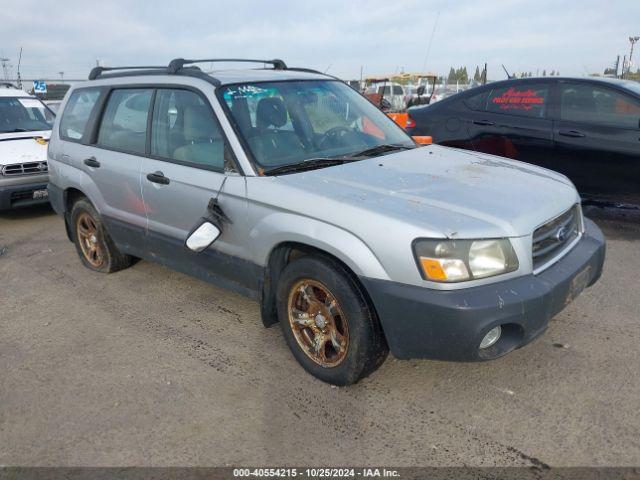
[158, 177]
[486, 123]
[92, 162]
[571, 133]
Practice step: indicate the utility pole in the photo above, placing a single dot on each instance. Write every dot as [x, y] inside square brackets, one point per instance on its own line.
[5, 67]
[61, 76]
[632, 41]
[19, 62]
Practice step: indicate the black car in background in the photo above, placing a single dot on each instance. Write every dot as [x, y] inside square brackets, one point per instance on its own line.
[585, 128]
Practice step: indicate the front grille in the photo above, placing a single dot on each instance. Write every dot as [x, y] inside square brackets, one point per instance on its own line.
[551, 239]
[29, 168]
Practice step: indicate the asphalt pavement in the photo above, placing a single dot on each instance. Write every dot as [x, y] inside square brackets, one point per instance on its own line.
[150, 367]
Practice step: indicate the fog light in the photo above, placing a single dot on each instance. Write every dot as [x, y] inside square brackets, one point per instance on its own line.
[491, 337]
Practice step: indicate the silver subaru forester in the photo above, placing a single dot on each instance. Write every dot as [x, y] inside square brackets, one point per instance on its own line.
[288, 186]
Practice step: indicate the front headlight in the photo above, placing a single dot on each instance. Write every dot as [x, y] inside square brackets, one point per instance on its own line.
[460, 260]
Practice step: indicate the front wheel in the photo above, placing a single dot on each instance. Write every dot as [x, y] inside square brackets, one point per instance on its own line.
[327, 322]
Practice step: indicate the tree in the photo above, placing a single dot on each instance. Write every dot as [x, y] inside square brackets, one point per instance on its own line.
[476, 76]
[553, 72]
[544, 73]
[462, 75]
[452, 76]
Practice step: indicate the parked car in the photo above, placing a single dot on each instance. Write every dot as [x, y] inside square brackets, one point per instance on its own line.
[54, 105]
[394, 93]
[288, 186]
[25, 127]
[586, 128]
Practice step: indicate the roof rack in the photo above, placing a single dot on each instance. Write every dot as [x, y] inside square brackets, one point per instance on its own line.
[97, 71]
[178, 63]
[186, 67]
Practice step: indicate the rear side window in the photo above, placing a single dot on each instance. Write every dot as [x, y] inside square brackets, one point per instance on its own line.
[477, 101]
[185, 130]
[528, 100]
[124, 122]
[76, 114]
[594, 104]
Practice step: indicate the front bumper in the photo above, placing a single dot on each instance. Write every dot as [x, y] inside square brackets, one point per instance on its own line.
[13, 196]
[450, 324]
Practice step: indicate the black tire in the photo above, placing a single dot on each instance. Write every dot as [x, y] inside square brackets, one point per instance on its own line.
[111, 259]
[367, 347]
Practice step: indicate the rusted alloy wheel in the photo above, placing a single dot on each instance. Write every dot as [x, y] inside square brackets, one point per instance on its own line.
[318, 323]
[327, 322]
[88, 238]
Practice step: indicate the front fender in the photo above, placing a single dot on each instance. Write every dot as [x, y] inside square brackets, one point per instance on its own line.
[280, 227]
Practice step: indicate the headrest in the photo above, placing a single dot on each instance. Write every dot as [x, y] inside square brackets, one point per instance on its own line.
[198, 124]
[271, 112]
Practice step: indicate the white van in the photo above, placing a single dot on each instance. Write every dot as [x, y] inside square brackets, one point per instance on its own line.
[394, 93]
[25, 128]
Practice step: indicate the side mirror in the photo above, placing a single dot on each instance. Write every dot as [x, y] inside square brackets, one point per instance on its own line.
[421, 90]
[202, 237]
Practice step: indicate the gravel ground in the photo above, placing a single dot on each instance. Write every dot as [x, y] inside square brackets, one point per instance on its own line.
[150, 367]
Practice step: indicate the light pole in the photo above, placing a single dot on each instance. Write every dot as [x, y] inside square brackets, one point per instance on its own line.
[632, 41]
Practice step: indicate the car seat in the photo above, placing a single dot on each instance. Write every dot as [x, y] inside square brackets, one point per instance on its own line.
[204, 144]
[271, 144]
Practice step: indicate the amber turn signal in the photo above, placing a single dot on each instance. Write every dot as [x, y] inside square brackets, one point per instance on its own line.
[423, 139]
[432, 269]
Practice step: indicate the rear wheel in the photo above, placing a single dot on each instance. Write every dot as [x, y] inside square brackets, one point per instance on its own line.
[93, 244]
[327, 323]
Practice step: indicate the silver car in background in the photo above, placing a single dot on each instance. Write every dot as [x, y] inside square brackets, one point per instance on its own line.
[288, 186]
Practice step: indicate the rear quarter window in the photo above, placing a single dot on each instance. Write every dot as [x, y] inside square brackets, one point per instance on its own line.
[77, 112]
[529, 100]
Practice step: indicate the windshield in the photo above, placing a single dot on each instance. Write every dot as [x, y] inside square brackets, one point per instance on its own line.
[289, 122]
[24, 114]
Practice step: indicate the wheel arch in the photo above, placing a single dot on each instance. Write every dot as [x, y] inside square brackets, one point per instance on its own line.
[70, 196]
[284, 253]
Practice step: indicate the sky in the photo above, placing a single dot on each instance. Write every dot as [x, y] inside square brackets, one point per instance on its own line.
[341, 37]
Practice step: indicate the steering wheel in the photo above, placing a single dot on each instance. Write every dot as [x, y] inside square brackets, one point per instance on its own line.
[333, 136]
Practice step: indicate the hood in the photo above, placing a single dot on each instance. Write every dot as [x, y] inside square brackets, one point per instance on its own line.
[22, 147]
[439, 190]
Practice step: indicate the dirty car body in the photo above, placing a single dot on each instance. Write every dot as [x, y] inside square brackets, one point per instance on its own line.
[443, 245]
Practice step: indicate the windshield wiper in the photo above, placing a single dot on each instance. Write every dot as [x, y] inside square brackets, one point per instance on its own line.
[308, 164]
[16, 130]
[320, 162]
[378, 149]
